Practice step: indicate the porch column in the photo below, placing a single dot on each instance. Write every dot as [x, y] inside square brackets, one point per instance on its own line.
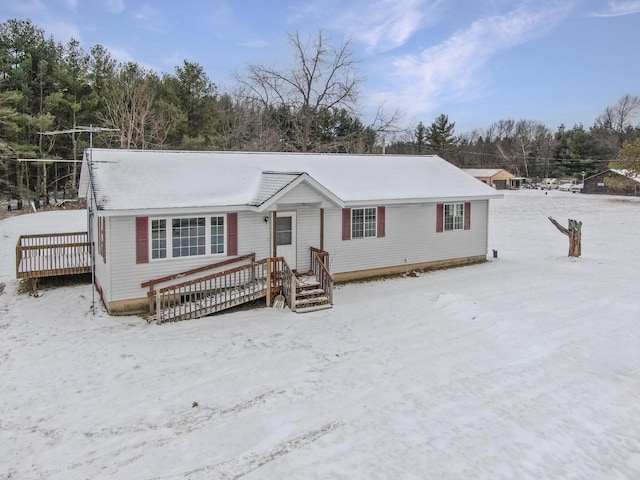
[322, 229]
[274, 235]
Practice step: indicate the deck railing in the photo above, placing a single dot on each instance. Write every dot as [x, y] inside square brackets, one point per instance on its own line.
[218, 291]
[52, 254]
[290, 285]
[319, 265]
[251, 257]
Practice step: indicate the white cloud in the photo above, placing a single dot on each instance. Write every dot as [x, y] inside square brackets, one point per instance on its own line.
[615, 9]
[254, 44]
[119, 54]
[388, 24]
[62, 31]
[115, 6]
[453, 69]
[145, 13]
[27, 7]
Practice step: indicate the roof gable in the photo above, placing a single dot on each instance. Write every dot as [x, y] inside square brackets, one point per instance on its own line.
[275, 185]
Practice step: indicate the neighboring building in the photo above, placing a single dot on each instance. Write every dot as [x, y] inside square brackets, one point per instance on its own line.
[157, 213]
[597, 184]
[497, 178]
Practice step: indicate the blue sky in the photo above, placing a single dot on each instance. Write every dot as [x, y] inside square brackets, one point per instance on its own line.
[477, 61]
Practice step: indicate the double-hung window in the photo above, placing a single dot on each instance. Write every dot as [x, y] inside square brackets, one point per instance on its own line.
[363, 222]
[187, 237]
[453, 216]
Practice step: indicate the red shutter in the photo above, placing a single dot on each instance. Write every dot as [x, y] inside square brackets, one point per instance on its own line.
[142, 239]
[380, 219]
[232, 234]
[346, 224]
[467, 215]
[440, 217]
[104, 239]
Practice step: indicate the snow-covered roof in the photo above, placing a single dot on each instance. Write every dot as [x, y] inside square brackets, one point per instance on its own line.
[627, 173]
[144, 179]
[484, 172]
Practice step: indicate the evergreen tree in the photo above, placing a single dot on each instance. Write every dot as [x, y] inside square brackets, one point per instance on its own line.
[440, 138]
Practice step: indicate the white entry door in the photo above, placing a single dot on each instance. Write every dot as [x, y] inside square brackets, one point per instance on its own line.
[286, 237]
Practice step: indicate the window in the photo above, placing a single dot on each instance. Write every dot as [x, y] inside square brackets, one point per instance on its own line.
[186, 237]
[159, 238]
[363, 222]
[454, 216]
[284, 230]
[217, 235]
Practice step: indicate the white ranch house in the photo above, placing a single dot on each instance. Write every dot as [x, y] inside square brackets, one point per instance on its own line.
[168, 215]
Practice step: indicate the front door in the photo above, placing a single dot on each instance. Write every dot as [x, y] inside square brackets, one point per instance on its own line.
[286, 237]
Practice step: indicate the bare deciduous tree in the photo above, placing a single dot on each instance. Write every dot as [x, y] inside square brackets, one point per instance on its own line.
[129, 100]
[322, 78]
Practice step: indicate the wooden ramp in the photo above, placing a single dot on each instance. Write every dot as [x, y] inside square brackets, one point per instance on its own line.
[270, 278]
[214, 292]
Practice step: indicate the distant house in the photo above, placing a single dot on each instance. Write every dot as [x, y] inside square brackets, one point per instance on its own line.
[155, 214]
[497, 178]
[597, 183]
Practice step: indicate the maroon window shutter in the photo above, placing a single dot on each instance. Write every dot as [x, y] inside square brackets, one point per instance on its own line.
[346, 224]
[104, 239]
[142, 239]
[381, 213]
[232, 234]
[467, 215]
[440, 217]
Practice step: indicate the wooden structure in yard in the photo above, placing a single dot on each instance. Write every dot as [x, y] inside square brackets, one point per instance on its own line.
[250, 281]
[53, 254]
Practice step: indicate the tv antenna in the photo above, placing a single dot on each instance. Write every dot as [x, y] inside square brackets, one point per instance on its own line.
[90, 130]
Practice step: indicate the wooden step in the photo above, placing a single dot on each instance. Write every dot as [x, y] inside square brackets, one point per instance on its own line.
[314, 308]
[310, 292]
[312, 300]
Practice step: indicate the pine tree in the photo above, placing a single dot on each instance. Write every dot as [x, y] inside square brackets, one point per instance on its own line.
[440, 136]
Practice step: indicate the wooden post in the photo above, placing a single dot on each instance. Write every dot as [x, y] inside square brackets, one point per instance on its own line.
[158, 306]
[269, 260]
[322, 229]
[274, 222]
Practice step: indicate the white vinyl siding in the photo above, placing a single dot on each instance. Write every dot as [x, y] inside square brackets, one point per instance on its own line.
[409, 235]
[124, 283]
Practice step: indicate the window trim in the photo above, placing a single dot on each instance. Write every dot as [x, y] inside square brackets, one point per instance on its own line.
[441, 217]
[373, 220]
[208, 234]
[457, 221]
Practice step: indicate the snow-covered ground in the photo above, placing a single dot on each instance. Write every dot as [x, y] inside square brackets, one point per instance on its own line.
[527, 366]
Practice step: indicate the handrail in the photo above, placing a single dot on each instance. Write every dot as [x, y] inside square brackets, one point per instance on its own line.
[318, 265]
[218, 291]
[289, 285]
[212, 293]
[151, 283]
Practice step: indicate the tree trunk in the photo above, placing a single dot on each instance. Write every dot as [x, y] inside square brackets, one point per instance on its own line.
[574, 232]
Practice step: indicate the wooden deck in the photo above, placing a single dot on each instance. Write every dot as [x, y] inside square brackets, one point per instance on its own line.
[53, 254]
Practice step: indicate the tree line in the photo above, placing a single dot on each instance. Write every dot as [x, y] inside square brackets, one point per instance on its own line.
[311, 106]
[530, 149]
